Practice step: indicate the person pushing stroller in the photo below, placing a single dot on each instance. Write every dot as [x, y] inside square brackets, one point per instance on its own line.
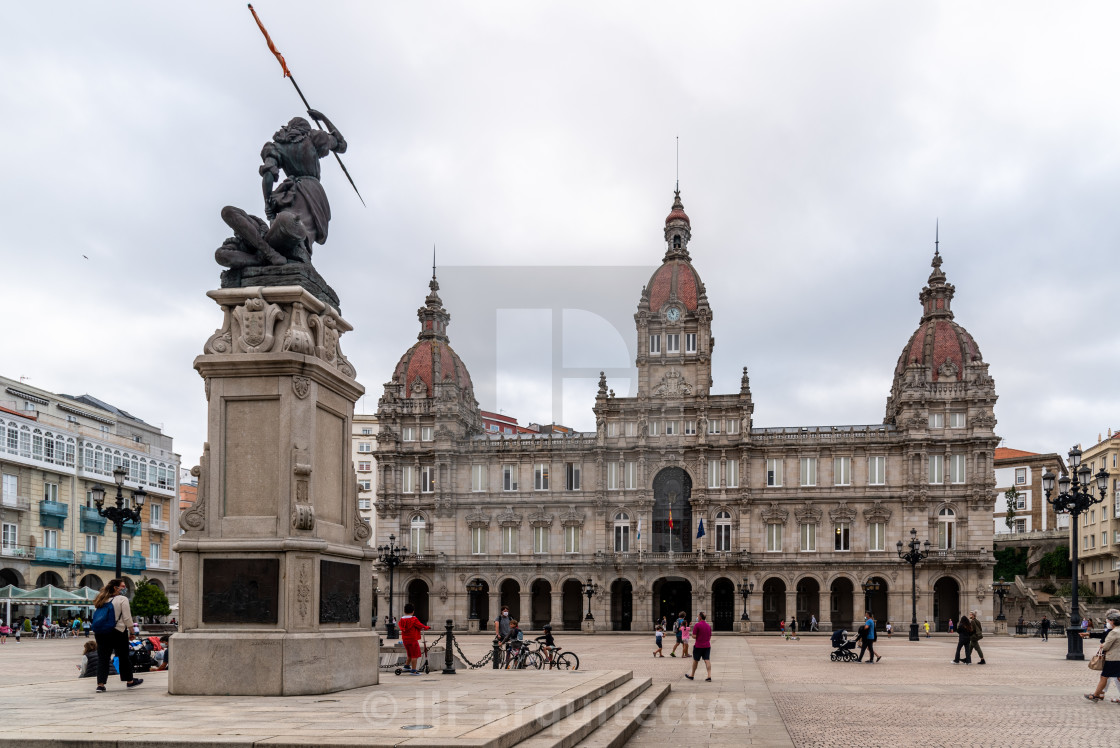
[843, 649]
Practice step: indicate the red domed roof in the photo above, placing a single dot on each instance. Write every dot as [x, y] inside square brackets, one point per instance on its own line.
[677, 213]
[678, 275]
[418, 363]
[943, 347]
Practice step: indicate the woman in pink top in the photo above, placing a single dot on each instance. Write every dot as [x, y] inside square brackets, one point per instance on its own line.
[686, 632]
[702, 648]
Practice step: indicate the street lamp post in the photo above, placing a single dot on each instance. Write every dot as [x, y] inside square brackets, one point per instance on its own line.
[745, 589]
[1000, 588]
[473, 588]
[1075, 499]
[120, 513]
[912, 557]
[869, 587]
[589, 589]
[392, 555]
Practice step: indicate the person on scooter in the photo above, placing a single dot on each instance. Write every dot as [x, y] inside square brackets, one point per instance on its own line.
[411, 628]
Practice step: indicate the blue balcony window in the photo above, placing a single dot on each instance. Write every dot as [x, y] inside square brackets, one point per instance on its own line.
[53, 556]
[92, 523]
[134, 563]
[130, 528]
[53, 514]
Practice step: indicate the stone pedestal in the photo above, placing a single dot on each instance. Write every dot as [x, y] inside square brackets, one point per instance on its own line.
[472, 626]
[588, 626]
[743, 627]
[1001, 627]
[276, 584]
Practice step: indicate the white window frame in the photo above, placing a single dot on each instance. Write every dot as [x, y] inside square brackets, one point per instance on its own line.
[478, 541]
[723, 532]
[655, 428]
[154, 551]
[1020, 476]
[540, 476]
[612, 476]
[50, 491]
[417, 532]
[842, 471]
[428, 479]
[630, 475]
[732, 425]
[690, 342]
[957, 420]
[478, 478]
[655, 345]
[540, 539]
[571, 539]
[365, 448]
[808, 533]
[808, 471]
[126, 547]
[509, 476]
[714, 426]
[877, 536]
[91, 543]
[773, 537]
[672, 428]
[937, 420]
[773, 473]
[612, 428]
[631, 428]
[408, 479]
[427, 433]
[10, 536]
[713, 474]
[622, 533]
[936, 472]
[842, 537]
[509, 540]
[572, 476]
[50, 538]
[155, 511]
[365, 466]
[408, 433]
[958, 469]
[690, 428]
[732, 471]
[946, 529]
[877, 470]
[10, 488]
[672, 342]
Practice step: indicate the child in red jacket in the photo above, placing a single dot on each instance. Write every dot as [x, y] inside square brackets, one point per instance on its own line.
[411, 627]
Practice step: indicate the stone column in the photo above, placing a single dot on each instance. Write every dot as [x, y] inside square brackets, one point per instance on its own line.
[525, 601]
[275, 567]
[791, 606]
[824, 618]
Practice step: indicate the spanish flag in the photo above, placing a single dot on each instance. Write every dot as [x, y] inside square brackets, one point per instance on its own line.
[670, 518]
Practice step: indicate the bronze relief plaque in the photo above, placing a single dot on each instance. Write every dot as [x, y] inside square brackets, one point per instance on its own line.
[240, 590]
[339, 592]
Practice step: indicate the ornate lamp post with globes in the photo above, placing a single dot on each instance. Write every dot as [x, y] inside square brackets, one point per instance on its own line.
[1000, 588]
[912, 557]
[1075, 496]
[745, 589]
[120, 513]
[392, 555]
[589, 589]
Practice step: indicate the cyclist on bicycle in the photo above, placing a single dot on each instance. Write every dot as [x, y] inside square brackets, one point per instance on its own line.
[547, 642]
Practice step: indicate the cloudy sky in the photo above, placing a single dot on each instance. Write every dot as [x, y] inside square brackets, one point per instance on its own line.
[533, 143]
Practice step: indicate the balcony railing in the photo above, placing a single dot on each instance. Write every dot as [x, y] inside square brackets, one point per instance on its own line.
[133, 563]
[15, 551]
[159, 525]
[159, 563]
[54, 556]
[99, 560]
[53, 514]
[16, 503]
[130, 528]
[91, 522]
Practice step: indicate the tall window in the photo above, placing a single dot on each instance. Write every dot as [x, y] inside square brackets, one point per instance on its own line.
[126, 547]
[11, 536]
[91, 544]
[50, 491]
[478, 477]
[690, 342]
[154, 551]
[876, 471]
[773, 537]
[672, 428]
[427, 433]
[622, 533]
[408, 479]
[612, 428]
[714, 426]
[427, 479]
[937, 420]
[365, 446]
[540, 540]
[655, 344]
[478, 540]
[631, 475]
[1020, 476]
[946, 526]
[612, 476]
[416, 532]
[540, 476]
[957, 468]
[713, 474]
[50, 538]
[843, 541]
[723, 531]
[842, 471]
[408, 433]
[630, 428]
[571, 539]
[732, 473]
[956, 420]
[877, 540]
[156, 512]
[509, 477]
[936, 468]
[509, 539]
[571, 476]
[9, 489]
[808, 471]
[773, 472]
[654, 428]
[732, 425]
[673, 342]
[690, 428]
[808, 537]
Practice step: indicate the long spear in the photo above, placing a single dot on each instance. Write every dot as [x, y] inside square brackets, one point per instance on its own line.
[289, 76]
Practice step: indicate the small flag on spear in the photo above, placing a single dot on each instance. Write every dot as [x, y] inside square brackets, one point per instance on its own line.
[289, 76]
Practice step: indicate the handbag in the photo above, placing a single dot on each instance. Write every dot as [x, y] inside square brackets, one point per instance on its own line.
[1096, 662]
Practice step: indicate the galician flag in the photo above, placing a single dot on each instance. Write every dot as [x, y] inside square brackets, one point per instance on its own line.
[639, 528]
[700, 529]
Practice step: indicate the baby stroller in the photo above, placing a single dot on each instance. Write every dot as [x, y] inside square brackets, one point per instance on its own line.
[844, 650]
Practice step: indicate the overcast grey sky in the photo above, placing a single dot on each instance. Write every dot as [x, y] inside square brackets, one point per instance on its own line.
[819, 142]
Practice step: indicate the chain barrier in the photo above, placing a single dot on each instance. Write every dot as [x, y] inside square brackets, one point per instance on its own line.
[472, 665]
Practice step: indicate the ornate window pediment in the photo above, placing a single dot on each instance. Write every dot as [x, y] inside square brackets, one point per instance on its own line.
[842, 513]
[877, 513]
[774, 514]
[807, 514]
[540, 519]
[572, 518]
[509, 518]
[478, 519]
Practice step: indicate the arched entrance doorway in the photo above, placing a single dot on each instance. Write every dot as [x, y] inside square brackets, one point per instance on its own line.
[92, 581]
[672, 491]
[773, 604]
[723, 605]
[12, 577]
[478, 603]
[49, 577]
[671, 595]
[622, 604]
[417, 594]
[510, 594]
[808, 602]
[946, 602]
[571, 604]
[842, 608]
[877, 601]
[540, 603]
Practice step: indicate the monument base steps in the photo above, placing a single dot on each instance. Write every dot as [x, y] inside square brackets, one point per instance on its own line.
[615, 708]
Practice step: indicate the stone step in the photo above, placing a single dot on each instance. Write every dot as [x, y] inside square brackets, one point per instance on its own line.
[617, 730]
[578, 725]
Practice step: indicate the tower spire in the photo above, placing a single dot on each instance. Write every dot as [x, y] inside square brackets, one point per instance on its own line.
[433, 260]
[678, 188]
[937, 236]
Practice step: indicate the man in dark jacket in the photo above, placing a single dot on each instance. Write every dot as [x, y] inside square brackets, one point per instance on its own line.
[977, 635]
[964, 639]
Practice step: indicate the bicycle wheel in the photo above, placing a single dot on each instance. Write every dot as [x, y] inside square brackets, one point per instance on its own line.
[567, 661]
[533, 661]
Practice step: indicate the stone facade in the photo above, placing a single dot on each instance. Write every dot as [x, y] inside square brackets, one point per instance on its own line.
[1099, 557]
[1023, 471]
[805, 514]
[54, 449]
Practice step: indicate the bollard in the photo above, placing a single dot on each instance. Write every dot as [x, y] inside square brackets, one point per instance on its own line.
[497, 653]
[449, 639]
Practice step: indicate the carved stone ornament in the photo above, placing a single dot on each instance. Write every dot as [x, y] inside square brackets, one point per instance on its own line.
[297, 338]
[842, 513]
[807, 514]
[303, 588]
[443, 593]
[222, 339]
[303, 514]
[540, 519]
[195, 517]
[947, 370]
[877, 513]
[303, 517]
[984, 420]
[301, 386]
[572, 518]
[362, 530]
[509, 518]
[478, 519]
[774, 514]
[673, 386]
[254, 325]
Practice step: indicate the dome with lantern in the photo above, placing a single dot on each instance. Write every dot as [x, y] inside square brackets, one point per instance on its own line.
[431, 362]
[676, 279]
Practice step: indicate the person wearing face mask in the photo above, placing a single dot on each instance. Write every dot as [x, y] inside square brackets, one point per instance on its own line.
[113, 639]
[501, 624]
[1110, 648]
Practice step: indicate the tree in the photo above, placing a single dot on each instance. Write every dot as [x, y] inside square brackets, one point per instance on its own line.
[1012, 497]
[1055, 563]
[149, 600]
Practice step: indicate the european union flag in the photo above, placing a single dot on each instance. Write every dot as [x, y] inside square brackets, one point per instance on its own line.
[700, 529]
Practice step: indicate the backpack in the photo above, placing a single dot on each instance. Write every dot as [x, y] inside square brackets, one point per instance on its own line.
[104, 619]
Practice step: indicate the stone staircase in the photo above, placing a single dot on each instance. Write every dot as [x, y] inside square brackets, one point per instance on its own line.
[605, 718]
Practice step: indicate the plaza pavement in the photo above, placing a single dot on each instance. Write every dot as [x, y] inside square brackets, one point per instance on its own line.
[765, 691]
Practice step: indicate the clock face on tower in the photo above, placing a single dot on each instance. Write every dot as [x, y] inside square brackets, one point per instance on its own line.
[672, 314]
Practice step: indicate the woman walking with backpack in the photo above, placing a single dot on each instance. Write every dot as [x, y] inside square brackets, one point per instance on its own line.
[112, 620]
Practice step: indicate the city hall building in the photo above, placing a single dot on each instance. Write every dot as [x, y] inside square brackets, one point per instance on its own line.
[801, 518]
